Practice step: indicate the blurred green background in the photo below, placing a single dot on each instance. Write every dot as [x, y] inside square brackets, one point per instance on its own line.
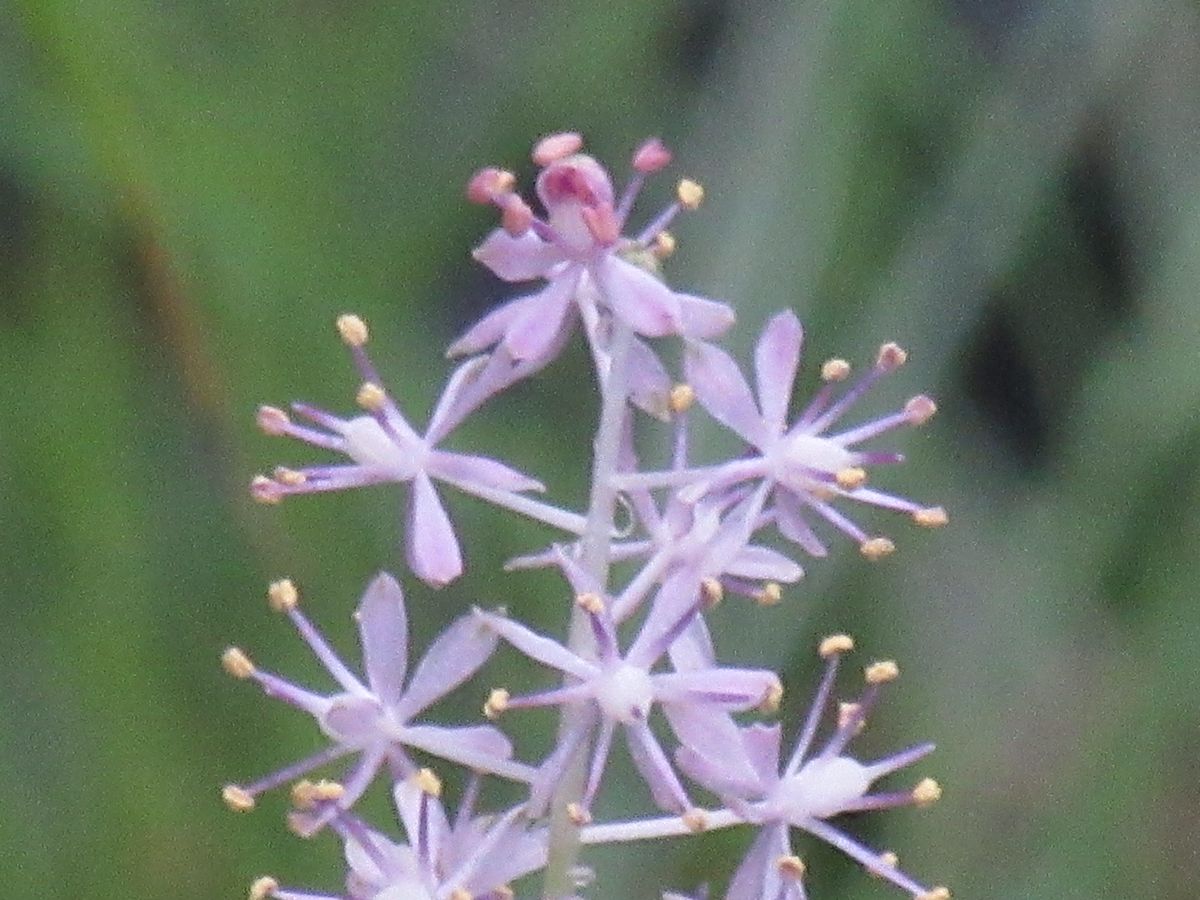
[191, 190]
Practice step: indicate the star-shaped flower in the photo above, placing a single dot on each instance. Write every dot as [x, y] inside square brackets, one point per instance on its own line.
[379, 720]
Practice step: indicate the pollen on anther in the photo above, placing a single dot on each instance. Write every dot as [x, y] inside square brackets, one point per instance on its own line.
[237, 663]
[711, 592]
[460, 893]
[937, 893]
[926, 792]
[263, 887]
[695, 820]
[681, 398]
[237, 798]
[835, 370]
[578, 815]
[851, 478]
[554, 147]
[497, 703]
[770, 594]
[504, 892]
[290, 477]
[307, 794]
[652, 156]
[835, 643]
[932, 517]
[272, 420]
[488, 184]
[887, 860]
[920, 409]
[847, 713]
[791, 867]
[690, 194]
[353, 330]
[265, 490]
[282, 595]
[891, 357]
[516, 216]
[590, 602]
[882, 672]
[876, 548]
[427, 782]
[664, 245]
[370, 397]
[772, 698]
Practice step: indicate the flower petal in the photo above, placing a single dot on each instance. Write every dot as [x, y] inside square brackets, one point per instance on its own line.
[383, 631]
[649, 306]
[540, 326]
[517, 258]
[448, 413]
[464, 468]
[723, 391]
[433, 552]
[764, 564]
[790, 520]
[703, 318]
[542, 649]
[776, 359]
[655, 768]
[649, 383]
[450, 660]
[757, 876]
[430, 829]
[490, 329]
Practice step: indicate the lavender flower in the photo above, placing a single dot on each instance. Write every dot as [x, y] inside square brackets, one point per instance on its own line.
[806, 464]
[621, 689]
[474, 857]
[376, 720]
[591, 271]
[809, 790]
[384, 447]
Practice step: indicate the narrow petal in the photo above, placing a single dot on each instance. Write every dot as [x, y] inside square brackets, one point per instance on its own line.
[712, 752]
[655, 768]
[491, 328]
[461, 467]
[482, 748]
[649, 383]
[423, 817]
[790, 520]
[433, 552]
[636, 296]
[704, 319]
[542, 649]
[517, 258]
[762, 747]
[764, 564]
[454, 657]
[732, 689]
[693, 649]
[539, 326]
[757, 876]
[776, 358]
[383, 630]
[448, 412]
[723, 391]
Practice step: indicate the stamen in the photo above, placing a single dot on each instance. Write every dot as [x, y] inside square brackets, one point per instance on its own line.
[578, 815]
[927, 792]
[772, 698]
[602, 223]
[236, 798]
[696, 820]
[460, 893]
[891, 357]
[664, 245]
[554, 147]
[263, 887]
[272, 420]
[920, 409]
[882, 672]
[937, 893]
[515, 217]
[711, 592]
[307, 794]
[835, 370]
[876, 548]
[237, 664]
[887, 859]
[427, 782]
[851, 478]
[933, 517]
[770, 594]
[288, 477]
[353, 330]
[590, 603]
[791, 867]
[690, 194]
[652, 156]
[371, 397]
[497, 703]
[681, 398]
[851, 712]
[265, 490]
[488, 184]
[282, 595]
[834, 644]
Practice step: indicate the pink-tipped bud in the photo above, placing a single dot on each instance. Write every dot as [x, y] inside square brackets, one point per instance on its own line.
[652, 156]
[517, 216]
[602, 222]
[554, 147]
[488, 184]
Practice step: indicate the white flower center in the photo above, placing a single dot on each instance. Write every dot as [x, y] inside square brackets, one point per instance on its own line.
[369, 445]
[404, 890]
[822, 788]
[803, 453]
[625, 693]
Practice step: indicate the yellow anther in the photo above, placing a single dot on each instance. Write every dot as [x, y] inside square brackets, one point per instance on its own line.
[695, 820]
[427, 782]
[664, 245]
[770, 594]
[891, 356]
[590, 602]
[791, 867]
[681, 398]
[851, 478]
[460, 893]
[290, 477]
[882, 672]
[236, 798]
[886, 860]
[835, 370]
[876, 548]
[937, 893]
[690, 194]
[282, 595]
[237, 663]
[931, 517]
[353, 330]
[772, 698]
[307, 794]
[920, 409]
[835, 643]
[371, 397]
[497, 702]
[272, 420]
[927, 792]
[847, 713]
[263, 489]
[263, 887]
[578, 815]
[711, 592]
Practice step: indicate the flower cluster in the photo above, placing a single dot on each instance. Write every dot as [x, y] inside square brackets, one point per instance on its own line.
[640, 658]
